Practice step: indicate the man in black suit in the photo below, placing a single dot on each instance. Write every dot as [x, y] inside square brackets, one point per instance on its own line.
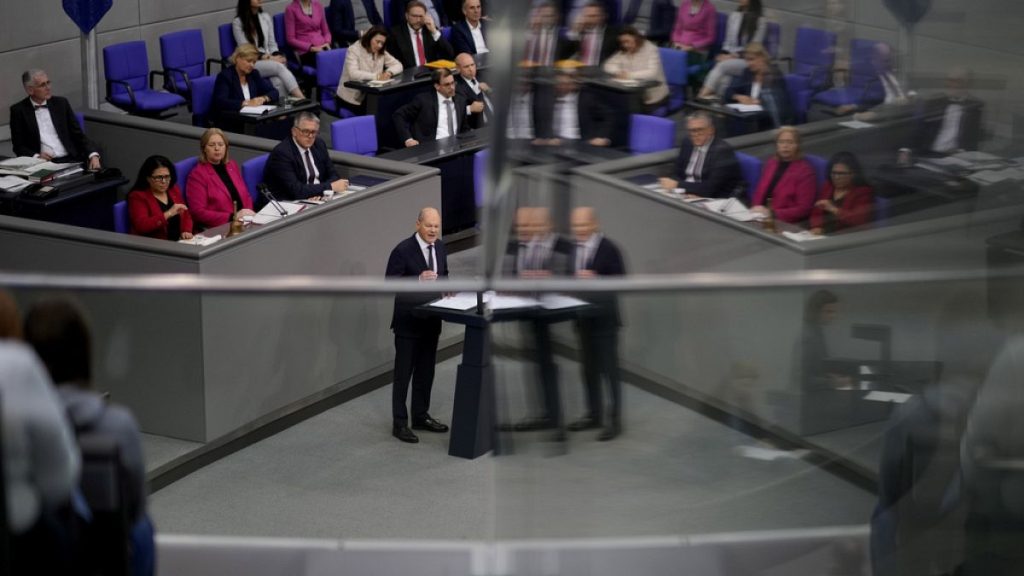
[569, 114]
[545, 42]
[479, 108]
[432, 115]
[422, 256]
[418, 40]
[592, 39]
[300, 167]
[45, 126]
[653, 18]
[951, 122]
[540, 253]
[348, 19]
[469, 35]
[706, 166]
[593, 255]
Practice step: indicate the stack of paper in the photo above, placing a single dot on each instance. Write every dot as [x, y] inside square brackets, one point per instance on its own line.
[460, 301]
[745, 107]
[257, 110]
[13, 183]
[734, 209]
[269, 213]
[200, 240]
[802, 236]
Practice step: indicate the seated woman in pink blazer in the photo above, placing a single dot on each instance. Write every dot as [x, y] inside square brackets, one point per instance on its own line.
[788, 184]
[215, 186]
[305, 29]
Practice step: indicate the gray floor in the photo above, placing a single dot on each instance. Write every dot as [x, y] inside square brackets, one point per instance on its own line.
[159, 450]
[341, 475]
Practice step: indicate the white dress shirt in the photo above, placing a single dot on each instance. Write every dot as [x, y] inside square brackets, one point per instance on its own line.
[520, 124]
[585, 252]
[474, 85]
[948, 137]
[478, 38]
[426, 253]
[567, 117]
[49, 141]
[412, 39]
[443, 110]
[302, 155]
[696, 165]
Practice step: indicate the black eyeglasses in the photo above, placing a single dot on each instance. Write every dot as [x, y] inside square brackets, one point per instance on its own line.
[834, 173]
[161, 178]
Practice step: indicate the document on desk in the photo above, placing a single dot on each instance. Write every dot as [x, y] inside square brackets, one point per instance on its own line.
[856, 124]
[985, 177]
[560, 302]
[13, 183]
[506, 302]
[972, 156]
[802, 236]
[745, 107]
[733, 208]
[257, 110]
[460, 301]
[20, 166]
[380, 83]
[200, 240]
[269, 213]
[895, 397]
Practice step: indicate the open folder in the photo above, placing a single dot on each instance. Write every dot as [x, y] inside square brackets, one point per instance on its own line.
[272, 211]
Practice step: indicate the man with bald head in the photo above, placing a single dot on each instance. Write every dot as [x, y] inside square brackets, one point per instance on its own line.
[476, 93]
[421, 256]
[594, 256]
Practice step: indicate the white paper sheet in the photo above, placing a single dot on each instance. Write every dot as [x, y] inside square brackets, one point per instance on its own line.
[745, 107]
[257, 110]
[801, 236]
[460, 301]
[856, 124]
[879, 396]
[269, 213]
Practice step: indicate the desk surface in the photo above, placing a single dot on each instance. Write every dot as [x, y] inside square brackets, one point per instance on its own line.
[427, 152]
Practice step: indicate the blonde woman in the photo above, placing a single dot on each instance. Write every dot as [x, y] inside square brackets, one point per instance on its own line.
[215, 187]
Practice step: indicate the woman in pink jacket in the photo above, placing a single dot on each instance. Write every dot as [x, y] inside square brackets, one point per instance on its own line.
[215, 187]
[305, 29]
[788, 184]
[694, 31]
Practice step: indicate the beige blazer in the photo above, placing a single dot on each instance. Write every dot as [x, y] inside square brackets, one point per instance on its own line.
[361, 65]
[644, 64]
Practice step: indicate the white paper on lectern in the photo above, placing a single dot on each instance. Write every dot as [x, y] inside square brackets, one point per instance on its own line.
[745, 107]
[856, 124]
[257, 110]
[879, 396]
[503, 302]
[269, 212]
[560, 301]
[460, 301]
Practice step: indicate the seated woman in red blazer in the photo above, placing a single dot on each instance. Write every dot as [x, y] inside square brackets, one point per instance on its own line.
[846, 199]
[788, 185]
[215, 186]
[155, 207]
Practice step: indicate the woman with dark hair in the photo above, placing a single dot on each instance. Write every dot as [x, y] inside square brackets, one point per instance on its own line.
[638, 59]
[254, 26]
[155, 207]
[745, 25]
[366, 60]
[845, 200]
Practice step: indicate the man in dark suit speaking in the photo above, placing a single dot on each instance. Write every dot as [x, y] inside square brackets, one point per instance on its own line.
[706, 166]
[596, 256]
[300, 167]
[44, 125]
[432, 115]
[422, 256]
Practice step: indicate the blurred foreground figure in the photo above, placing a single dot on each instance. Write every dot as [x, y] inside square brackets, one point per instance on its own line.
[593, 256]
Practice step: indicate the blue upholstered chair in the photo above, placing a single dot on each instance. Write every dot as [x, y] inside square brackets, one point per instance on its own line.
[226, 39]
[357, 135]
[814, 54]
[252, 174]
[183, 168]
[202, 99]
[650, 133]
[862, 86]
[820, 166]
[130, 82]
[81, 120]
[750, 167]
[329, 65]
[480, 175]
[386, 14]
[673, 62]
[772, 38]
[183, 58]
[121, 223]
[799, 90]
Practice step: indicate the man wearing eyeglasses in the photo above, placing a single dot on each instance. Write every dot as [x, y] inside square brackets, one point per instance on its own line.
[432, 116]
[706, 165]
[44, 125]
[300, 167]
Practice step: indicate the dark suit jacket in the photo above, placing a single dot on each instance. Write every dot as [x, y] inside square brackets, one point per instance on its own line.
[400, 46]
[462, 88]
[720, 175]
[462, 38]
[285, 171]
[398, 13]
[25, 129]
[418, 119]
[609, 45]
[773, 93]
[341, 19]
[596, 117]
[558, 261]
[968, 133]
[407, 261]
[606, 261]
[662, 18]
[228, 96]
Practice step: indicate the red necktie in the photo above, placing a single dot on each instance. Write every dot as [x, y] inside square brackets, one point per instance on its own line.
[422, 59]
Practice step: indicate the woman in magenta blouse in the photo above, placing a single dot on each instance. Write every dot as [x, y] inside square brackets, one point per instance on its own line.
[305, 29]
[215, 187]
[695, 26]
[788, 184]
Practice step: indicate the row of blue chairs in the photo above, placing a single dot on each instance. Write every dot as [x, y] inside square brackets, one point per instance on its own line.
[357, 135]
